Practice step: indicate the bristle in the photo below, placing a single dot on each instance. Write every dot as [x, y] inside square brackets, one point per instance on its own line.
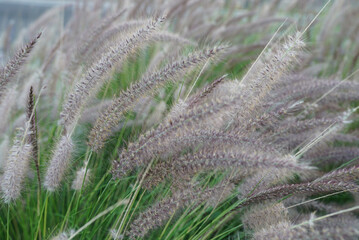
[63, 235]
[196, 98]
[32, 139]
[244, 158]
[267, 72]
[59, 163]
[119, 31]
[164, 36]
[285, 230]
[280, 231]
[4, 149]
[276, 193]
[96, 32]
[331, 155]
[160, 212]
[16, 168]
[264, 215]
[82, 178]
[112, 115]
[14, 65]
[7, 106]
[264, 178]
[95, 75]
[350, 174]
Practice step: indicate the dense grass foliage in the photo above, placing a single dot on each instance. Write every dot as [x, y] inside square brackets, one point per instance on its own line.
[202, 120]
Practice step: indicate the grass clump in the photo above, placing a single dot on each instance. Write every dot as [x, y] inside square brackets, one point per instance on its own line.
[149, 128]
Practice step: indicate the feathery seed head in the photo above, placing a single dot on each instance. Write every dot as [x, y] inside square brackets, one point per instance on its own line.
[112, 115]
[59, 163]
[16, 168]
[96, 74]
[14, 65]
[82, 178]
[264, 215]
